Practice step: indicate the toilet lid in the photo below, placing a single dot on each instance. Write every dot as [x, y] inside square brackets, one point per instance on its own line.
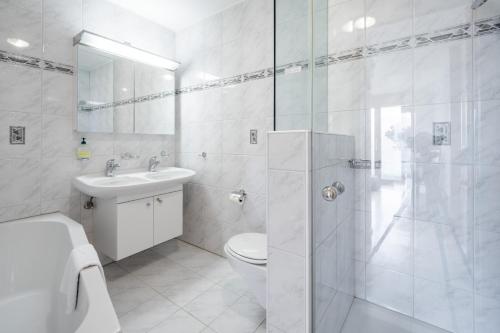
[252, 246]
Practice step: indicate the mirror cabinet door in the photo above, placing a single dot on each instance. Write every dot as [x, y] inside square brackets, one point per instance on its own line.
[117, 95]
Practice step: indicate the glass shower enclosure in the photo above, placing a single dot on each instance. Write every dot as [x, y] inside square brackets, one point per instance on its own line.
[403, 101]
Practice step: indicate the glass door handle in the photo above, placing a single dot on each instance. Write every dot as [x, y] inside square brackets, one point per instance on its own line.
[331, 192]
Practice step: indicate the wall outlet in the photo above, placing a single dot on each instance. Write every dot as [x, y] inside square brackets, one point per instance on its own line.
[17, 135]
[442, 134]
[253, 137]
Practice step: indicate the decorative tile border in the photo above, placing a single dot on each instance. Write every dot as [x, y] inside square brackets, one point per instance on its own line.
[480, 28]
[34, 62]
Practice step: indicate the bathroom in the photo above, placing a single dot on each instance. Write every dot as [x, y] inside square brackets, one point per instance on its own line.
[249, 166]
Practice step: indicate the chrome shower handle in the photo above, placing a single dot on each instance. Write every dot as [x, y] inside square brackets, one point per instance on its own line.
[331, 192]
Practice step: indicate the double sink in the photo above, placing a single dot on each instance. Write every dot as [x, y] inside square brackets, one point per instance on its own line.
[132, 183]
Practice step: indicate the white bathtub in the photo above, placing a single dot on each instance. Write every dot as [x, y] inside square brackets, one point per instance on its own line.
[33, 255]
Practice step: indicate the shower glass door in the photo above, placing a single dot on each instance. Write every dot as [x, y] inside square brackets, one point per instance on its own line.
[405, 107]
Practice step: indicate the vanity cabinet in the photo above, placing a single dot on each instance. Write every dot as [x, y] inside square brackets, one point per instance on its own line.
[127, 225]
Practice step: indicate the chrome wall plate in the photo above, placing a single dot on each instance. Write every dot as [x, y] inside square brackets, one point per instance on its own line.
[253, 137]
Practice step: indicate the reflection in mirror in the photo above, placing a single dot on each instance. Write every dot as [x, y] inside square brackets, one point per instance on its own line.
[122, 96]
[95, 91]
[157, 115]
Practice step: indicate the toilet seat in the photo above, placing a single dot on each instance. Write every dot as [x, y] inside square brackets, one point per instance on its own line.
[249, 247]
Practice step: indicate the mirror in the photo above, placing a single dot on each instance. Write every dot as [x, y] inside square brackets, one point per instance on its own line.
[118, 95]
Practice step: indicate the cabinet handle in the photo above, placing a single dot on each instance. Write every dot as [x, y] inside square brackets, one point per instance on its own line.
[148, 204]
[159, 200]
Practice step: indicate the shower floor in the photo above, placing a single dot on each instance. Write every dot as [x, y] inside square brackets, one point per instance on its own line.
[370, 318]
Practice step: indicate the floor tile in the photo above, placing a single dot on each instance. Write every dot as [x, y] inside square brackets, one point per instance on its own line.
[148, 315]
[244, 316]
[183, 292]
[179, 322]
[209, 305]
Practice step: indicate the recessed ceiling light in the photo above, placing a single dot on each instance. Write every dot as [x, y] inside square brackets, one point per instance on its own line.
[124, 89]
[18, 42]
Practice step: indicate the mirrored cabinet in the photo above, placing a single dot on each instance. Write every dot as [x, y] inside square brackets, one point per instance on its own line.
[121, 89]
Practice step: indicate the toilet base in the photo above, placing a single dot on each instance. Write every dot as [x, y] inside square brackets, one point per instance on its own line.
[254, 275]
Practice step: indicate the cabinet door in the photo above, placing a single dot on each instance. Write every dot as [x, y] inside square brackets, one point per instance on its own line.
[168, 217]
[135, 226]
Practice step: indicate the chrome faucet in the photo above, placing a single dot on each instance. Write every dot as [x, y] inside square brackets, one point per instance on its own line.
[153, 163]
[111, 166]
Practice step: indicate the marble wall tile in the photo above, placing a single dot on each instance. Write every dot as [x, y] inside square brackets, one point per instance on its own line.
[244, 171]
[292, 100]
[247, 100]
[57, 94]
[20, 88]
[443, 73]
[57, 176]
[486, 73]
[287, 283]
[350, 123]
[443, 306]
[397, 91]
[444, 193]
[62, 21]
[390, 289]
[287, 151]
[293, 40]
[343, 33]
[486, 205]
[393, 20]
[287, 210]
[486, 133]
[33, 143]
[487, 314]
[444, 254]
[54, 128]
[389, 246]
[435, 15]
[347, 86]
[487, 273]
[461, 118]
[21, 20]
[27, 186]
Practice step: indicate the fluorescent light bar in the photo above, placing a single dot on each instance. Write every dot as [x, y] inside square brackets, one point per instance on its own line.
[123, 50]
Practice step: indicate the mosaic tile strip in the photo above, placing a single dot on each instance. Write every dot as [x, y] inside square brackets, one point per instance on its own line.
[487, 26]
[445, 35]
[141, 99]
[480, 28]
[34, 62]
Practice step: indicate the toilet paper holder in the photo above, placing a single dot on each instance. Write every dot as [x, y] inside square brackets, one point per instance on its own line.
[238, 196]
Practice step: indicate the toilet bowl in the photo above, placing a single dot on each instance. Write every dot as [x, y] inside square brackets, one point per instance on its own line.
[247, 254]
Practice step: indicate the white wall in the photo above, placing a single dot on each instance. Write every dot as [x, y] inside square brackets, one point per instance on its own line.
[217, 120]
[36, 177]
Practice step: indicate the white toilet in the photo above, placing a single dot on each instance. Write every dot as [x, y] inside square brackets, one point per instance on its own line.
[247, 254]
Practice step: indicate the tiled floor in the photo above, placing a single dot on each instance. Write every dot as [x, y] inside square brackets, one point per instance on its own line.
[366, 317]
[179, 288]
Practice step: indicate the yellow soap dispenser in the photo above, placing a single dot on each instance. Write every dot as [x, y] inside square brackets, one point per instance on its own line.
[83, 152]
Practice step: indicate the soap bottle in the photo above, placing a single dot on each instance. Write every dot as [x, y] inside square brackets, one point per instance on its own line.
[83, 152]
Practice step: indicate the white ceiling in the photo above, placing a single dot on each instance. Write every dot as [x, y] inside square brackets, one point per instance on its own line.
[175, 14]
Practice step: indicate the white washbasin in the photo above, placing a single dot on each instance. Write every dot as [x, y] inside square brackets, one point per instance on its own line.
[131, 183]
